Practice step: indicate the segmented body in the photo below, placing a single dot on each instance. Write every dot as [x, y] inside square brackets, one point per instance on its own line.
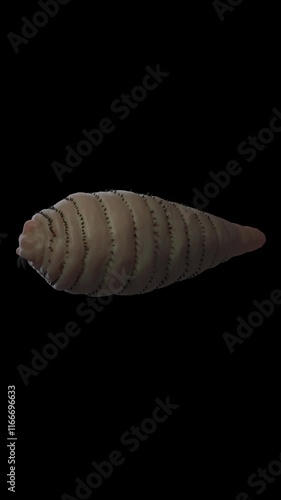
[86, 242]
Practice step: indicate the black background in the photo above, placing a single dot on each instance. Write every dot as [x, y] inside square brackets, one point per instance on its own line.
[224, 82]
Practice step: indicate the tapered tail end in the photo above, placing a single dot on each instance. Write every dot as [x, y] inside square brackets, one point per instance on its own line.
[251, 239]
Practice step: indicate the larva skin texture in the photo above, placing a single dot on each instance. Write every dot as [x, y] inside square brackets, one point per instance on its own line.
[84, 243]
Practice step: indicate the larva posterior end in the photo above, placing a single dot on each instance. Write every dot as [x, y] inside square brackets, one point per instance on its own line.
[261, 238]
[255, 239]
[31, 242]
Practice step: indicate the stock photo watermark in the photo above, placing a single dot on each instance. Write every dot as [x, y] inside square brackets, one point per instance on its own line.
[11, 476]
[225, 7]
[3, 236]
[57, 342]
[246, 327]
[262, 478]
[131, 441]
[30, 28]
[249, 148]
[121, 107]
[21, 263]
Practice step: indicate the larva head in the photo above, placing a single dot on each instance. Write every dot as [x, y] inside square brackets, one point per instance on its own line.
[31, 243]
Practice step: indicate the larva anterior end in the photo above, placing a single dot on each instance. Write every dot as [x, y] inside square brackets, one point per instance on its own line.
[124, 243]
[31, 242]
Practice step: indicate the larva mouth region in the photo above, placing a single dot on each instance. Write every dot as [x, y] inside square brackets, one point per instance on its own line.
[31, 242]
[38, 243]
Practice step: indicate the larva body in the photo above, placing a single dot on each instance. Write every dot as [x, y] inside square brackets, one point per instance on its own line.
[126, 243]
